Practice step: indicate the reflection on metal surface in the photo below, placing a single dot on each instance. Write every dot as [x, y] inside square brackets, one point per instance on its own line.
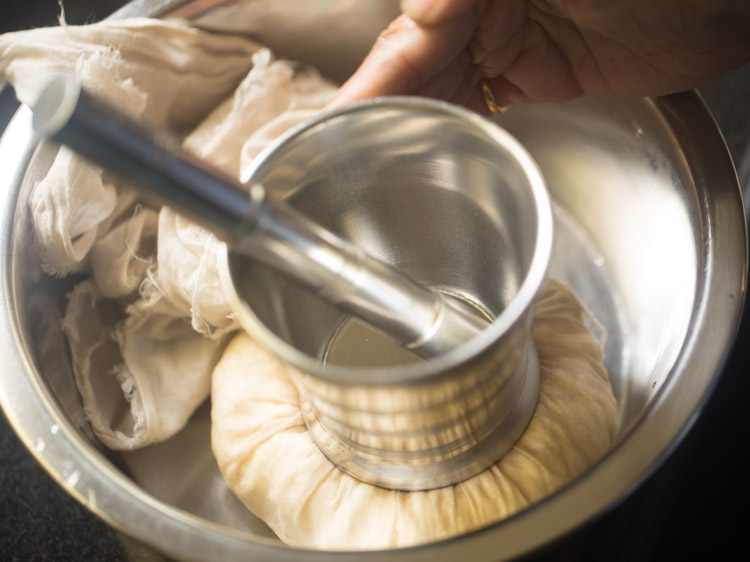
[649, 239]
[453, 202]
[670, 307]
[182, 472]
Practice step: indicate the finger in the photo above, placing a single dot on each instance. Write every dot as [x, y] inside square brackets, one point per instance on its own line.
[450, 79]
[539, 72]
[433, 12]
[405, 56]
[468, 86]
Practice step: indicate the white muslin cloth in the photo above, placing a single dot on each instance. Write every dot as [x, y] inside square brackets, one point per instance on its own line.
[150, 320]
[271, 463]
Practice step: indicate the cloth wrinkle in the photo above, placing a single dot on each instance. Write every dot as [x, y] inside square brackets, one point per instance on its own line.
[129, 245]
[156, 269]
[573, 424]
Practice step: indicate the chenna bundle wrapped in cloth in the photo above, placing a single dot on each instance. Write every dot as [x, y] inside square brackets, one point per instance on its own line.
[149, 328]
[270, 461]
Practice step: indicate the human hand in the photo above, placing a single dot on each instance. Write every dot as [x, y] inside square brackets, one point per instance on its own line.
[552, 50]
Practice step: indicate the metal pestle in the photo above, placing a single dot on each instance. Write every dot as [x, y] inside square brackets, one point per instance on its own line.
[420, 319]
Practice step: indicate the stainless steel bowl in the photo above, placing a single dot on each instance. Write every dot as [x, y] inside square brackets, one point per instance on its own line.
[650, 231]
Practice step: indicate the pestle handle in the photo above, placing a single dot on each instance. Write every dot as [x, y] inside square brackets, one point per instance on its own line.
[418, 318]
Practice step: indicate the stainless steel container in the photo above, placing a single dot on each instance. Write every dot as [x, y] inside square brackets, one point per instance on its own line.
[650, 231]
[457, 204]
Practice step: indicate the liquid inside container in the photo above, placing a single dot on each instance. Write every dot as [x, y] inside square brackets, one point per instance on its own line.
[355, 344]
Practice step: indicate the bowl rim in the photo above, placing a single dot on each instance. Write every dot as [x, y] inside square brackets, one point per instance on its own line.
[720, 294]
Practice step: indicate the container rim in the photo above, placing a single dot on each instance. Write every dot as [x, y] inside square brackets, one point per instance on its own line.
[518, 308]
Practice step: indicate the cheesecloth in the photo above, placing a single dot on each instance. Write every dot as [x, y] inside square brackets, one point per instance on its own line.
[270, 461]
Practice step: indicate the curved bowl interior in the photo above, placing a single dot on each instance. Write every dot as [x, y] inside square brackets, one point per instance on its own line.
[650, 231]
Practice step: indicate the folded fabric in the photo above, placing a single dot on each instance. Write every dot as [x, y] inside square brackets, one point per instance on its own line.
[141, 372]
[146, 325]
[126, 60]
[67, 207]
[188, 257]
[121, 257]
[272, 88]
[269, 460]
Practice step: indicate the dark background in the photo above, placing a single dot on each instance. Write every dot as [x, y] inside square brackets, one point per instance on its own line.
[694, 506]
